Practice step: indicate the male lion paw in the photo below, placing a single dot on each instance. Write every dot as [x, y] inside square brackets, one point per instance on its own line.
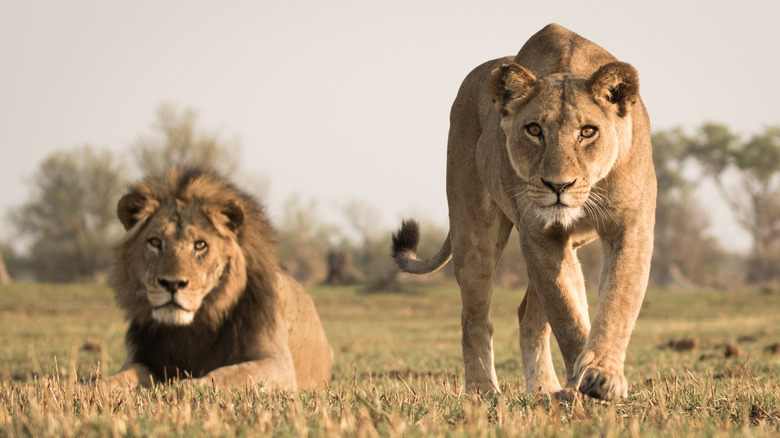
[600, 379]
[109, 384]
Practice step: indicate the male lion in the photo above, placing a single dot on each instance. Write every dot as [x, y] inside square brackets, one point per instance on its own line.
[555, 142]
[198, 278]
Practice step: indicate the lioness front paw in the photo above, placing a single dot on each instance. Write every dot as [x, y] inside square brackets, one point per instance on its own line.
[602, 384]
[600, 378]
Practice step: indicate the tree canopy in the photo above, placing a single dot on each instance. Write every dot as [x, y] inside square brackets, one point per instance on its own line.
[747, 174]
[177, 140]
[70, 218]
[69, 226]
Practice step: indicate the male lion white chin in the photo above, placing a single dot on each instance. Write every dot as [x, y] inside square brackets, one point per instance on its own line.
[172, 314]
[554, 142]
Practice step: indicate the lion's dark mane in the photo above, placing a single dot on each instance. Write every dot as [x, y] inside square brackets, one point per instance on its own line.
[208, 342]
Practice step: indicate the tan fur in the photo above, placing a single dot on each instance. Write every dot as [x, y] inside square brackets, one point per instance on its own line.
[234, 318]
[522, 153]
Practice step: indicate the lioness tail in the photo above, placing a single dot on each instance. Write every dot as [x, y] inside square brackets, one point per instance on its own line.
[405, 250]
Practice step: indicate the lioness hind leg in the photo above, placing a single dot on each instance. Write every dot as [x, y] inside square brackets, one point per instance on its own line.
[475, 253]
[535, 332]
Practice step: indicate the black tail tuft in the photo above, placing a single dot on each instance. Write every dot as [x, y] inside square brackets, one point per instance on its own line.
[406, 239]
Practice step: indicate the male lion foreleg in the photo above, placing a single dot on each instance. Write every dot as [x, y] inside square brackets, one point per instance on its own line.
[276, 369]
[535, 346]
[131, 375]
[274, 373]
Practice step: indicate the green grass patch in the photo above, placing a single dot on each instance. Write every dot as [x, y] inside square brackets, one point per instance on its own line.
[398, 372]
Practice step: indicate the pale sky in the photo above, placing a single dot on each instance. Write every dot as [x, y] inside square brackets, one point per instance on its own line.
[347, 100]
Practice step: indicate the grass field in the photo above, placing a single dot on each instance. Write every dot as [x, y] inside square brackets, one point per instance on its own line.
[398, 372]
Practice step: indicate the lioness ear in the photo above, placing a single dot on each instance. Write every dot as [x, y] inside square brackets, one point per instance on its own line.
[133, 208]
[508, 83]
[616, 83]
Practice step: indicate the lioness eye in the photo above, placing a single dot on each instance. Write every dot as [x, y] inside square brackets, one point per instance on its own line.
[588, 131]
[200, 245]
[155, 243]
[534, 130]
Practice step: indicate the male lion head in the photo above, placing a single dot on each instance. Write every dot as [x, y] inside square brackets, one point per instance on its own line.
[564, 133]
[181, 260]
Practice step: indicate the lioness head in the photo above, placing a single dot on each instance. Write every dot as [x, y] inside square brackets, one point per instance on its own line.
[181, 252]
[564, 133]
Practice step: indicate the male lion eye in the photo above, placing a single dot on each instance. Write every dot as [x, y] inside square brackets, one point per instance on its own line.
[588, 131]
[200, 245]
[534, 130]
[155, 242]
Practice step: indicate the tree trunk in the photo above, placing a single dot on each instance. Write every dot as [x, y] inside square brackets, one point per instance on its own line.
[4, 277]
[340, 270]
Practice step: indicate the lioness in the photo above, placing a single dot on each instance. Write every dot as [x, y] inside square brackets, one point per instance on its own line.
[556, 142]
[198, 278]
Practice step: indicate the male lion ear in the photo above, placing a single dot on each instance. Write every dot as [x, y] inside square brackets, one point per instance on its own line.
[132, 208]
[616, 83]
[508, 83]
[234, 213]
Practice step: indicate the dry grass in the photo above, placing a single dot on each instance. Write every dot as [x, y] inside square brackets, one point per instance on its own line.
[398, 372]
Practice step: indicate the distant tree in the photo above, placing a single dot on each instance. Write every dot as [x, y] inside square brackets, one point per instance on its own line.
[16, 264]
[684, 255]
[754, 198]
[303, 240]
[341, 271]
[70, 219]
[178, 141]
[669, 154]
[371, 245]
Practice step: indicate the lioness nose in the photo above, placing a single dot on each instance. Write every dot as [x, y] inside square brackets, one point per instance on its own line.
[172, 286]
[558, 188]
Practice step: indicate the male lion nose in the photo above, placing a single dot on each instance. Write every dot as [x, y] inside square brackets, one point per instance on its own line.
[172, 286]
[558, 188]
